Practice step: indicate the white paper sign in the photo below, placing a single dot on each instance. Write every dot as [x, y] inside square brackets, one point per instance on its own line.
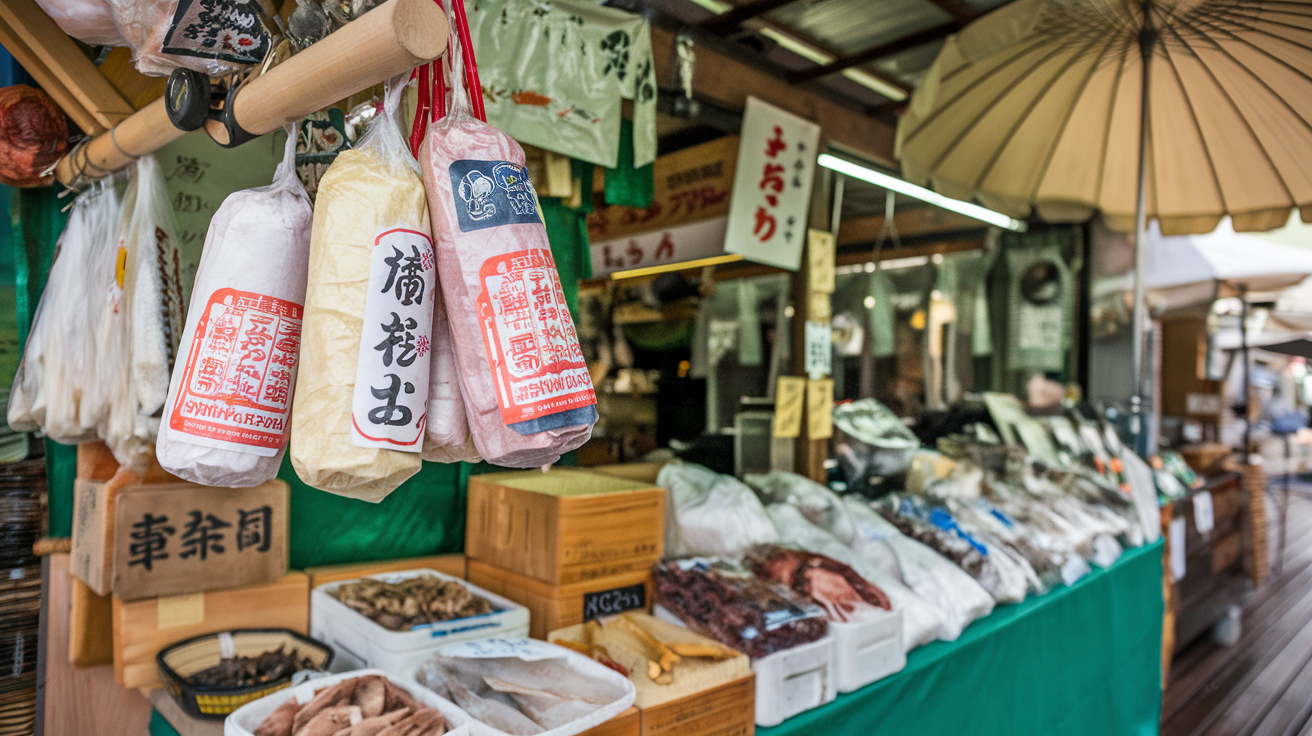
[660, 247]
[1177, 548]
[819, 349]
[528, 650]
[772, 186]
[1204, 521]
[390, 402]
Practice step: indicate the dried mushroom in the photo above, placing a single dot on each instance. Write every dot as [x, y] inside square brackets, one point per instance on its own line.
[244, 671]
[412, 602]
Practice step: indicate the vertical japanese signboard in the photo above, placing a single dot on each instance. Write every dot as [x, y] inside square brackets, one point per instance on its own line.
[772, 186]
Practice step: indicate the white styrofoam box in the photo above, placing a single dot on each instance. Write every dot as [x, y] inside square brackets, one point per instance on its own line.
[867, 650]
[532, 650]
[794, 681]
[360, 642]
[791, 681]
[244, 720]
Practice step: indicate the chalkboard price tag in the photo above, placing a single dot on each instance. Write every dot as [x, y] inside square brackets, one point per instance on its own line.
[613, 601]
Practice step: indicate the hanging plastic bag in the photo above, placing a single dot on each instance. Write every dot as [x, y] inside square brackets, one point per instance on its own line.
[226, 418]
[214, 39]
[361, 402]
[528, 396]
[47, 394]
[89, 21]
[446, 437]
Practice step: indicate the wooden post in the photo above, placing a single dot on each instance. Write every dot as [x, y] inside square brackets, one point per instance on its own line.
[388, 40]
[809, 454]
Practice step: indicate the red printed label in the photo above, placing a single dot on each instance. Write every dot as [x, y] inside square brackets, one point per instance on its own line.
[530, 339]
[237, 386]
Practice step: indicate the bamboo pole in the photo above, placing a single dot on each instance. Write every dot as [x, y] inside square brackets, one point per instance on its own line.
[388, 40]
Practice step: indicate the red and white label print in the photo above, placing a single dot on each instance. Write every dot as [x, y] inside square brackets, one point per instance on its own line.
[236, 390]
[530, 338]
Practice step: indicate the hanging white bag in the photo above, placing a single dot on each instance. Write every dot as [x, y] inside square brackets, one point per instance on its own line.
[446, 437]
[361, 402]
[226, 418]
[528, 396]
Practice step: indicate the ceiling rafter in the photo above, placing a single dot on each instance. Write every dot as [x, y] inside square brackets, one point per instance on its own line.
[728, 22]
[905, 43]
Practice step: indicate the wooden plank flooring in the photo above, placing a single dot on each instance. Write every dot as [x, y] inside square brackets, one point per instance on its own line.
[1262, 686]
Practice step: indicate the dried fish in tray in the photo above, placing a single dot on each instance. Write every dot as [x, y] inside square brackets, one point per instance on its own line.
[414, 601]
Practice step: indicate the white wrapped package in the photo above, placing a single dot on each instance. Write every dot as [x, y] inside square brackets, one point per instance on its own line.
[89, 21]
[361, 397]
[957, 597]
[226, 419]
[921, 624]
[817, 503]
[211, 38]
[710, 515]
[527, 392]
[446, 438]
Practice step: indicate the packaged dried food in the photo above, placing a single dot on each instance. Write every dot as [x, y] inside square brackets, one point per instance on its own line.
[33, 136]
[226, 418]
[709, 514]
[410, 602]
[728, 603]
[837, 588]
[211, 38]
[361, 397]
[526, 388]
[817, 503]
[89, 21]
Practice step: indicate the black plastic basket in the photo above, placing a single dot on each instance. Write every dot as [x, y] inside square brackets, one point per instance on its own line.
[185, 658]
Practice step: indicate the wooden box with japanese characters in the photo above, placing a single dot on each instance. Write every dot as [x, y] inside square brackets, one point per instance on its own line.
[552, 607]
[564, 526]
[185, 538]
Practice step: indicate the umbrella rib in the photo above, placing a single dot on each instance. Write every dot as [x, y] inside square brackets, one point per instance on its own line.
[1107, 128]
[938, 109]
[994, 103]
[1253, 74]
[1233, 20]
[1070, 112]
[1020, 120]
[1193, 115]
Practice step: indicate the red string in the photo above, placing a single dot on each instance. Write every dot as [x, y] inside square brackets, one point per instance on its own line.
[471, 66]
[439, 91]
[422, 105]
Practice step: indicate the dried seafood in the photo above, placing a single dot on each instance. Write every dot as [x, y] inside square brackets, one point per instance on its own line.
[411, 602]
[364, 706]
[246, 671]
[843, 593]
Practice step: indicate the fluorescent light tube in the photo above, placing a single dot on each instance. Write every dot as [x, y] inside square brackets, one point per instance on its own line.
[901, 186]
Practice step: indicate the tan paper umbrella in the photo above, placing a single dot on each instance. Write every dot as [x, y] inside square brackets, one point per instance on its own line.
[1039, 107]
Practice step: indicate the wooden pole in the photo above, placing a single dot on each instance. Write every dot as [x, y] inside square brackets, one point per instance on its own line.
[388, 40]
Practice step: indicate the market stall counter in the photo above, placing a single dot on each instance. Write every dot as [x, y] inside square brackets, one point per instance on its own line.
[1083, 659]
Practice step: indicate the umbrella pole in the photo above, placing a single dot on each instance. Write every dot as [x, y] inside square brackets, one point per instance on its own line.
[1147, 39]
[1248, 375]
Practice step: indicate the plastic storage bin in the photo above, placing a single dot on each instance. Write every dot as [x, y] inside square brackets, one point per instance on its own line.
[869, 650]
[359, 642]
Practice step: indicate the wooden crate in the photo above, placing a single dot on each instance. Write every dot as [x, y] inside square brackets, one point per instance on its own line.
[564, 526]
[627, 723]
[100, 481]
[554, 607]
[639, 472]
[142, 628]
[726, 710]
[90, 627]
[453, 565]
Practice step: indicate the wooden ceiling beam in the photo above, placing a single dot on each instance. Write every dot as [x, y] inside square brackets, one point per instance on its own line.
[910, 223]
[728, 82]
[58, 64]
[728, 22]
[888, 49]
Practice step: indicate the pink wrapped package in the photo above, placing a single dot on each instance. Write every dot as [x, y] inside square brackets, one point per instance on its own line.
[446, 435]
[526, 389]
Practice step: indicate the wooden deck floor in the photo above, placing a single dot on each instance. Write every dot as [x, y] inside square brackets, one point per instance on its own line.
[1262, 686]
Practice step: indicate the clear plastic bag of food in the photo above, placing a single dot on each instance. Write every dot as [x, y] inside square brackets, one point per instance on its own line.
[446, 436]
[709, 514]
[841, 591]
[526, 388]
[89, 21]
[872, 445]
[212, 38]
[361, 397]
[242, 338]
[726, 602]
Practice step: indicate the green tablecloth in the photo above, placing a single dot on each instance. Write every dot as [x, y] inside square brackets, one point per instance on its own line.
[1082, 660]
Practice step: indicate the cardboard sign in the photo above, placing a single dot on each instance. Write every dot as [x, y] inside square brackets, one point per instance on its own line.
[174, 539]
[772, 186]
[788, 397]
[692, 185]
[819, 308]
[820, 409]
[820, 252]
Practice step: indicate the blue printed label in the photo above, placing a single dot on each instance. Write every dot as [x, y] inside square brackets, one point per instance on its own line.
[491, 193]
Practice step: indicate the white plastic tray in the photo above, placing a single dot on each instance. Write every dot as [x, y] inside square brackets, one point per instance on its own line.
[244, 720]
[359, 642]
